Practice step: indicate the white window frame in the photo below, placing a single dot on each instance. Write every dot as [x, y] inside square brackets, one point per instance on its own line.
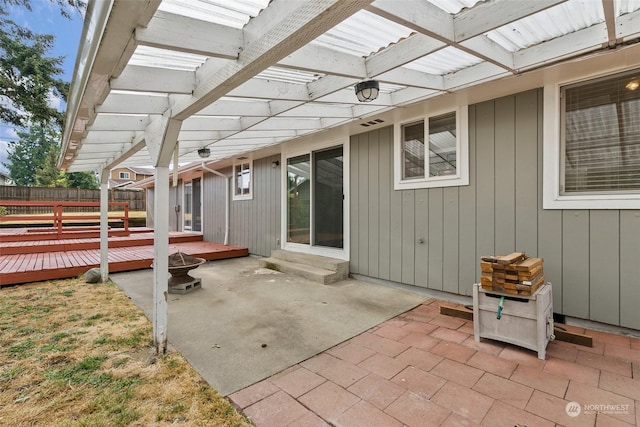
[248, 196]
[462, 153]
[124, 175]
[552, 158]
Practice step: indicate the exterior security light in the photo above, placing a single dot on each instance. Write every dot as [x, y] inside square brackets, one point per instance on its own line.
[367, 91]
[204, 152]
[633, 84]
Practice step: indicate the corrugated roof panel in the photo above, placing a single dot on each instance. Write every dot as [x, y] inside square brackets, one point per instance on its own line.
[161, 58]
[626, 6]
[444, 61]
[232, 13]
[548, 24]
[363, 34]
[287, 75]
[454, 6]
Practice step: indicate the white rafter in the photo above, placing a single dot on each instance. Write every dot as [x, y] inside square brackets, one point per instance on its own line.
[243, 75]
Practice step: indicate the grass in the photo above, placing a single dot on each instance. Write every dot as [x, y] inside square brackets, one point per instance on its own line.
[73, 354]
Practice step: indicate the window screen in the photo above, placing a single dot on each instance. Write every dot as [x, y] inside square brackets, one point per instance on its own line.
[601, 141]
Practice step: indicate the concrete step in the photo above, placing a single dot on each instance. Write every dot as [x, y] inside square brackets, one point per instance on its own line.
[337, 265]
[309, 272]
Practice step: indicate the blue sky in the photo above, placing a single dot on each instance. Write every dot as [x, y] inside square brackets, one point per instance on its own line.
[46, 19]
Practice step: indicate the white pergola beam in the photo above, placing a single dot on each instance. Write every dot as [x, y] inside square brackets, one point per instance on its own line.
[309, 19]
[401, 53]
[154, 79]
[184, 34]
[117, 103]
[108, 122]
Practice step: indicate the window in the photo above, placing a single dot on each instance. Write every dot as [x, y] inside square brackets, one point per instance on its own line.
[437, 160]
[242, 181]
[124, 175]
[601, 135]
[595, 142]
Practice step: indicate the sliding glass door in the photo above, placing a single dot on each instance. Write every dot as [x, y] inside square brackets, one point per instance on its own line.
[315, 199]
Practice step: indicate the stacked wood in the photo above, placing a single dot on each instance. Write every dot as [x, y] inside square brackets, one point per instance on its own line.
[514, 274]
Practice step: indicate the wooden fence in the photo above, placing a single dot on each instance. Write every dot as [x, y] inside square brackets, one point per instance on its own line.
[136, 199]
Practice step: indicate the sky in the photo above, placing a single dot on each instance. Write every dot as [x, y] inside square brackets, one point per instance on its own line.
[46, 19]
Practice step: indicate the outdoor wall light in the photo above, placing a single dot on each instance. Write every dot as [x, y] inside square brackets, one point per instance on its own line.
[275, 164]
[367, 91]
[204, 152]
[633, 84]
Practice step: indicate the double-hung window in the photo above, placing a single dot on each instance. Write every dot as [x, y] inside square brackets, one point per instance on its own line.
[242, 182]
[432, 151]
[124, 175]
[598, 149]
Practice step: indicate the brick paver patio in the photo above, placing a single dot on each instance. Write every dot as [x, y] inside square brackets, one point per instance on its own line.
[425, 369]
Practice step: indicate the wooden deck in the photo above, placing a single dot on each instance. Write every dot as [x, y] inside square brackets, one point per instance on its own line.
[32, 261]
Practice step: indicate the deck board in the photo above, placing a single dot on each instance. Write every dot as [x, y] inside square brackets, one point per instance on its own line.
[32, 261]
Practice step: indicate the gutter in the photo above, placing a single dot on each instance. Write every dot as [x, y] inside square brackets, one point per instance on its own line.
[226, 199]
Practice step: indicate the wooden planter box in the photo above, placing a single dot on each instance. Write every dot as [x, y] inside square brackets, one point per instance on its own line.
[526, 321]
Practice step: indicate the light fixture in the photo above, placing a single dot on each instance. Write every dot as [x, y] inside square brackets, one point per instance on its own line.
[633, 84]
[367, 91]
[275, 164]
[204, 152]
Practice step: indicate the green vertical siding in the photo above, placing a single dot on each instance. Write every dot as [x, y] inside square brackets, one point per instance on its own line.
[591, 257]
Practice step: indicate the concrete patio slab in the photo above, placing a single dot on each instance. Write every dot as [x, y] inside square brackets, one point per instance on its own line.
[248, 323]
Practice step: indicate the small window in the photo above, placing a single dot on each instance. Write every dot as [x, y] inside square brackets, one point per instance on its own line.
[242, 181]
[600, 144]
[124, 175]
[440, 159]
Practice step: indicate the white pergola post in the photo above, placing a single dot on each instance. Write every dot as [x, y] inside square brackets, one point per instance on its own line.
[161, 137]
[160, 258]
[104, 226]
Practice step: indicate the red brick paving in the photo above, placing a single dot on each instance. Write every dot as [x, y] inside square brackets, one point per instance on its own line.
[424, 369]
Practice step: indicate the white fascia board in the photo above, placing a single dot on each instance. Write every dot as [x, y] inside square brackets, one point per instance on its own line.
[133, 104]
[403, 52]
[567, 46]
[407, 77]
[322, 60]
[154, 79]
[487, 16]
[181, 33]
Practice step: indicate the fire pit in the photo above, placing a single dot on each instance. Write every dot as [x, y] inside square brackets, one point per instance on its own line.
[179, 266]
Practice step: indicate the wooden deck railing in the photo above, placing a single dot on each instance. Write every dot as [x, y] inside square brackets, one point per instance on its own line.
[57, 216]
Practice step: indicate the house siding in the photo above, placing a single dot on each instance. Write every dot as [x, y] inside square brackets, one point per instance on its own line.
[433, 238]
[175, 221]
[254, 223]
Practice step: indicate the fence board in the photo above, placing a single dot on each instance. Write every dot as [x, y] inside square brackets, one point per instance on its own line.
[135, 198]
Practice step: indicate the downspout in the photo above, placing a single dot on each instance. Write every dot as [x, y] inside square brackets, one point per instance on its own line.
[226, 201]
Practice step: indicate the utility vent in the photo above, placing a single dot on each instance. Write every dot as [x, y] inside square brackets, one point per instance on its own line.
[372, 123]
[242, 158]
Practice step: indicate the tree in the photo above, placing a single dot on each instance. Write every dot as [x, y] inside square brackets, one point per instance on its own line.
[29, 153]
[28, 77]
[82, 180]
[48, 174]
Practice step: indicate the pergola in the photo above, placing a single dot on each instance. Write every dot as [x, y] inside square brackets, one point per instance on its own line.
[157, 80]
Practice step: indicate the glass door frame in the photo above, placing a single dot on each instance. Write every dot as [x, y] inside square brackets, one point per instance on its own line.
[189, 184]
[340, 253]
